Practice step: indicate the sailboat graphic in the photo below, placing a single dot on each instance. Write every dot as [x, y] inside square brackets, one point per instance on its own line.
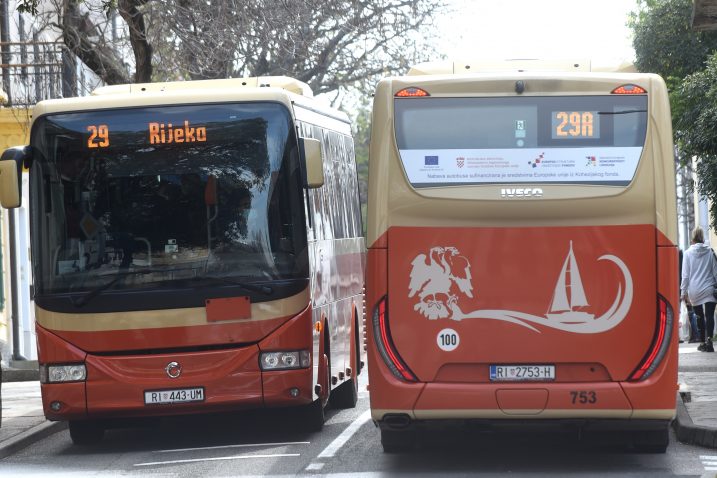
[569, 294]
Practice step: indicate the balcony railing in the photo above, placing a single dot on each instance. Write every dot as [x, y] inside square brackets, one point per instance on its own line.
[34, 71]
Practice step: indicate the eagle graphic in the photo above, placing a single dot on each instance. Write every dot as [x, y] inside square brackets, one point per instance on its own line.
[433, 277]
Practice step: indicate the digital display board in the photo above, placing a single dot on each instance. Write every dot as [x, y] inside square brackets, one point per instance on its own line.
[157, 133]
[575, 125]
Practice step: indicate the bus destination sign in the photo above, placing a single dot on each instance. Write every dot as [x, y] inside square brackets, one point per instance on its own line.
[158, 133]
[575, 125]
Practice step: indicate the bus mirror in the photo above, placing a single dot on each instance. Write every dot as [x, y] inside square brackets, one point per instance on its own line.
[210, 191]
[311, 151]
[11, 163]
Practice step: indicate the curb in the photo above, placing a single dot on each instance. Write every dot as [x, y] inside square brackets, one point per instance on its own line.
[20, 375]
[689, 433]
[30, 436]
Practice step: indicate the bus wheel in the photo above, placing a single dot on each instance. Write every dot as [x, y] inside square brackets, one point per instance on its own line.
[651, 441]
[345, 395]
[86, 432]
[313, 415]
[397, 441]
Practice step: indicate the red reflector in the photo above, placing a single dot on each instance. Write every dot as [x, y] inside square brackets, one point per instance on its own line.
[411, 92]
[385, 344]
[660, 342]
[629, 90]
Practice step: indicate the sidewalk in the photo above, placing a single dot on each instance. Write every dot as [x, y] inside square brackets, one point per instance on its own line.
[23, 422]
[696, 421]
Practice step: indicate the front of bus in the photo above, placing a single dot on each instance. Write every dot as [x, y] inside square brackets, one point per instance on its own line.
[170, 255]
[523, 265]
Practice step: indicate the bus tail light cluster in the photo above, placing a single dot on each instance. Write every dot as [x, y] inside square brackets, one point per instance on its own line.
[76, 372]
[629, 90]
[411, 92]
[287, 360]
[385, 346]
[660, 342]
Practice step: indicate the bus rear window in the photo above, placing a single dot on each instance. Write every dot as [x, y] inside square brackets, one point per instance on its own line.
[557, 139]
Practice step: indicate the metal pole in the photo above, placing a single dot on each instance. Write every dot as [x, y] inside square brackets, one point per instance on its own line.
[13, 287]
[5, 48]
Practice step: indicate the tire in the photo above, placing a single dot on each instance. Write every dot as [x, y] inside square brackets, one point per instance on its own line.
[314, 416]
[86, 432]
[651, 441]
[397, 441]
[345, 395]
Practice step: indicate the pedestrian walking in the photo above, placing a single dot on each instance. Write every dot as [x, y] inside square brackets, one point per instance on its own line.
[699, 279]
[691, 316]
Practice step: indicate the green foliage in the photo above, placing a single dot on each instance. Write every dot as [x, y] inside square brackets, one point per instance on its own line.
[666, 44]
[664, 40]
[362, 138]
[696, 128]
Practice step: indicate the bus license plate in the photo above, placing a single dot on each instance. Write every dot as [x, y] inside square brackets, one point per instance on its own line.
[180, 395]
[520, 373]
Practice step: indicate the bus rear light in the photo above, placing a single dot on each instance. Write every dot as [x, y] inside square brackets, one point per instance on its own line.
[660, 342]
[63, 373]
[411, 92]
[385, 346]
[629, 90]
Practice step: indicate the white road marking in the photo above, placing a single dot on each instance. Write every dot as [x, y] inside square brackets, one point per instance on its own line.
[314, 466]
[219, 458]
[242, 445]
[709, 462]
[341, 440]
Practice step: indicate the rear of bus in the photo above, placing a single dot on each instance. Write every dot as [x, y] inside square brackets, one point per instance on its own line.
[522, 253]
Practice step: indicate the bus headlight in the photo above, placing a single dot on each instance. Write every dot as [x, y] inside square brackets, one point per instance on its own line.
[286, 360]
[63, 373]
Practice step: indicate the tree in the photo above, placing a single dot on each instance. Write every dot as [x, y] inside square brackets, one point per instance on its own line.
[696, 129]
[664, 40]
[362, 139]
[665, 43]
[329, 44]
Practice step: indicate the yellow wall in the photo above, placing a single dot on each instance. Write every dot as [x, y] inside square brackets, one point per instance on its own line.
[14, 131]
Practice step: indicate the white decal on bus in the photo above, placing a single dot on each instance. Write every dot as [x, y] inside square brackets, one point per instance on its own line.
[433, 276]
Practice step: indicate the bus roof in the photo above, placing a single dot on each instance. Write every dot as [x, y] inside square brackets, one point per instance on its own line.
[462, 67]
[286, 90]
[284, 82]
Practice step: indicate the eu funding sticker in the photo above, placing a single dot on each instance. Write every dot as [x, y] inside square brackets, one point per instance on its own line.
[530, 165]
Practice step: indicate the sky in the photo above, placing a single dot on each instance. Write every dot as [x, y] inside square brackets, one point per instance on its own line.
[552, 29]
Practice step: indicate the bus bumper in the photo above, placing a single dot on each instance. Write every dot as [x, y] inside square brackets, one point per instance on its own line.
[118, 386]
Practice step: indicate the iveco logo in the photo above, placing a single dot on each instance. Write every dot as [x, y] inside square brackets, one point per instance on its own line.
[173, 369]
[521, 193]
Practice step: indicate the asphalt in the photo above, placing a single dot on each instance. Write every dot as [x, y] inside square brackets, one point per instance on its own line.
[23, 422]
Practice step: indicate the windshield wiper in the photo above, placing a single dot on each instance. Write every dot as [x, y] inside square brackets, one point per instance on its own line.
[263, 289]
[92, 293]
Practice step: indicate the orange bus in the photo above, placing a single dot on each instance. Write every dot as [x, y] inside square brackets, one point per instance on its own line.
[522, 253]
[196, 246]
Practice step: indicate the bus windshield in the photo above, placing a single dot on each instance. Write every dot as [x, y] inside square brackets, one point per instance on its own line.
[550, 139]
[187, 193]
